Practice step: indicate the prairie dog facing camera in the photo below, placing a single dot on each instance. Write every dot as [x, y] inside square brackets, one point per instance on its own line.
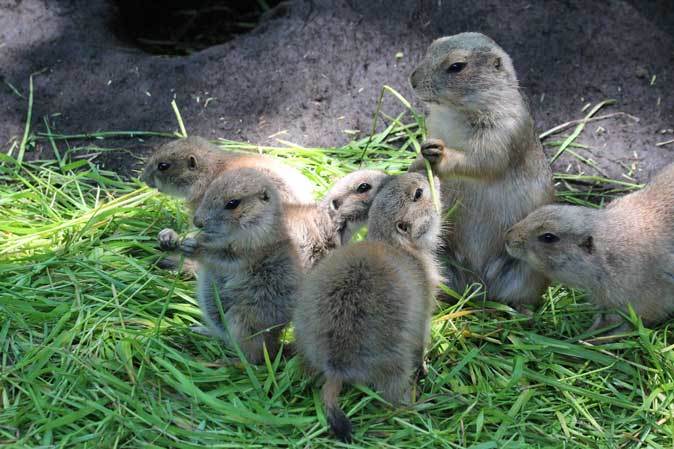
[363, 313]
[248, 267]
[483, 146]
[184, 169]
[623, 254]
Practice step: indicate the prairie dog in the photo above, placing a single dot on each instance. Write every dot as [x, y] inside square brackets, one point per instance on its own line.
[320, 228]
[348, 200]
[248, 266]
[363, 313]
[623, 254]
[483, 146]
[184, 169]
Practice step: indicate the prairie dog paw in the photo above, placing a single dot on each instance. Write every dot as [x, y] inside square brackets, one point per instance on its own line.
[168, 239]
[188, 246]
[432, 150]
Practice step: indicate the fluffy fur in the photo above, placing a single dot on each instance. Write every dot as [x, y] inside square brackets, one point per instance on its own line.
[248, 268]
[363, 313]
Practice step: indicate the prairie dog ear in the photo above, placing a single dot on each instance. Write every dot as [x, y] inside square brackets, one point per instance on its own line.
[587, 244]
[497, 62]
[192, 162]
[264, 195]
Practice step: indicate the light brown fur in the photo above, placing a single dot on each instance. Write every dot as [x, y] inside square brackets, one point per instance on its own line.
[623, 254]
[364, 312]
[248, 266]
[484, 148]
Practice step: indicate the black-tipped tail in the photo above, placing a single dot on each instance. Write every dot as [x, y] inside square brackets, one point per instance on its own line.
[339, 423]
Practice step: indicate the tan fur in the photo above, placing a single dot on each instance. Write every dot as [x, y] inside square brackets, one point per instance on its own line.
[247, 263]
[364, 312]
[623, 254]
[194, 163]
[484, 148]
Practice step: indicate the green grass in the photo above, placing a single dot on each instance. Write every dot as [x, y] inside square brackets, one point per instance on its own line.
[96, 351]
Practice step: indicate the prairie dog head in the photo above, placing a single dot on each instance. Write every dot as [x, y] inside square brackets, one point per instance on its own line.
[349, 199]
[557, 241]
[241, 209]
[177, 166]
[403, 213]
[467, 71]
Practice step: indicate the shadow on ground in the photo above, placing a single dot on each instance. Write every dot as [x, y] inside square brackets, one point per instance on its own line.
[312, 74]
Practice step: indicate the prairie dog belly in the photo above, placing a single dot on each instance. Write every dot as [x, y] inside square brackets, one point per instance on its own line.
[448, 125]
[486, 211]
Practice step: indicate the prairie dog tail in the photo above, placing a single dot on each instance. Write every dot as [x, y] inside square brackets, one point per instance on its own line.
[339, 423]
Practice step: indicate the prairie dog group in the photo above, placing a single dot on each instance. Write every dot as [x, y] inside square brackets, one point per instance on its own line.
[623, 254]
[483, 146]
[269, 254]
[363, 313]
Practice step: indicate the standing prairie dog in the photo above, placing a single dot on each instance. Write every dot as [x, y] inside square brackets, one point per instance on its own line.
[363, 314]
[184, 168]
[623, 254]
[484, 148]
[248, 267]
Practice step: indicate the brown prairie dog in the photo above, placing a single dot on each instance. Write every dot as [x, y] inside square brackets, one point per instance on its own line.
[484, 148]
[184, 169]
[320, 228]
[248, 268]
[623, 254]
[364, 312]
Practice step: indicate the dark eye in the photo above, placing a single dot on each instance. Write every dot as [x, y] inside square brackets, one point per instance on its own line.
[418, 194]
[163, 166]
[364, 187]
[548, 238]
[456, 67]
[232, 204]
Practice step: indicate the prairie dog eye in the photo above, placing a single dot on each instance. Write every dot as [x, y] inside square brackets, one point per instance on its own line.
[548, 238]
[456, 67]
[232, 204]
[192, 163]
[418, 193]
[364, 187]
[163, 166]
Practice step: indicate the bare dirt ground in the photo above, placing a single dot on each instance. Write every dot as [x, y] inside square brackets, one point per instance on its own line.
[315, 70]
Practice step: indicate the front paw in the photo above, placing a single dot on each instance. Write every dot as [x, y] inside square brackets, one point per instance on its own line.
[168, 239]
[189, 246]
[433, 150]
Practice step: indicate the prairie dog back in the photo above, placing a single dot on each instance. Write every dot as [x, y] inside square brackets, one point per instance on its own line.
[363, 313]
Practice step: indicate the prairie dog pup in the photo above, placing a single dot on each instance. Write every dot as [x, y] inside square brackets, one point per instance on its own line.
[348, 200]
[483, 147]
[320, 228]
[248, 268]
[623, 254]
[184, 169]
[364, 312]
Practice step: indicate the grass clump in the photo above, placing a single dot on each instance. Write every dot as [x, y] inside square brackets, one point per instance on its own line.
[96, 350]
